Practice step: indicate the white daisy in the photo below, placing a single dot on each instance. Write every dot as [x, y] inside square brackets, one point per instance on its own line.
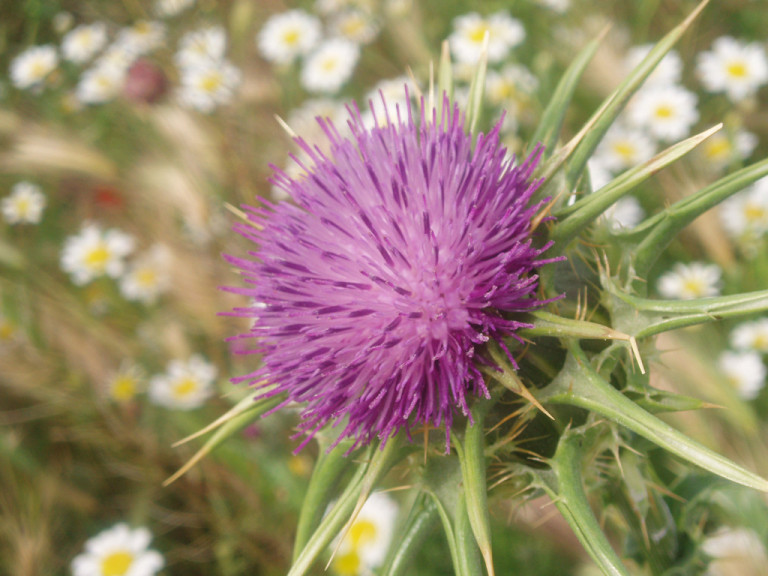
[667, 72]
[82, 43]
[734, 67]
[512, 83]
[126, 383]
[735, 551]
[288, 35]
[117, 58]
[201, 46]
[745, 371]
[329, 66]
[365, 546]
[466, 40]
[24, 205]
[31, 67]
[686, 281]
[751, 336]
[745, 215]
[100, 84]
[667, 112]
[722, 148]
[209, 85]
[148, 276]
[118, 551]
[143, 37]
[93, 253]
[623, 148]
[168, 8]
[184, 385]
[355, 25]
[624, 214]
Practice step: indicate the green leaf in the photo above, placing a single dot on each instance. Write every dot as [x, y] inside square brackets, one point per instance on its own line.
[376, 462]
[420, 520]
[472, 460]
[443, 483]
[644, 317]
[235, 420]
[604, 118]
[321, 490]
[655, 233]
[578, 384]
[551, 120]
[587, 209]
[477, 89]
[564, 486]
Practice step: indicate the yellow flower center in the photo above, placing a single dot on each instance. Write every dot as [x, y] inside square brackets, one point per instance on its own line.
[737, 69]
[754, 213]
[291, 37]
[211, 83]
[123, 388]
[330, 64]
[146, 277]
[38, 69]
[477, 34]
[98, 257]
[347, 564]
[664, 112]
[693, 287]
[362, 532]
[22, 207]
[760, 342]
[7, 330]
[117, 563]
[184, 387]
[717, 149]
[624, 150]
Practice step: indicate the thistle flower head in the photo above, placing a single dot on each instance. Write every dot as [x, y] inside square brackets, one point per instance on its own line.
[406, 249]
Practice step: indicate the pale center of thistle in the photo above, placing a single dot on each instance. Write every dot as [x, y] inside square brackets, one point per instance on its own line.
[737, 69]
[441, 310]
[117, 563]
[97, 258]
[124, 388]
[184, 387]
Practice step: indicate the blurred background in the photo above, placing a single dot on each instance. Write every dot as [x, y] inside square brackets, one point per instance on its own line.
[130, 132]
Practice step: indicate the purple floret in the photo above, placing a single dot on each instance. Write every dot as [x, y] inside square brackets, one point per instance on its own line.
[405, 250]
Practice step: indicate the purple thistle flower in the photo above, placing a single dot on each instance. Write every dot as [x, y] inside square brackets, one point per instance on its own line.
[404, 251]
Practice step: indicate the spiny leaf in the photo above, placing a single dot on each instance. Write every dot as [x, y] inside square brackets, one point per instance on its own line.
[579, 215]
[564, 486]
[578, 384]
[552, 118]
